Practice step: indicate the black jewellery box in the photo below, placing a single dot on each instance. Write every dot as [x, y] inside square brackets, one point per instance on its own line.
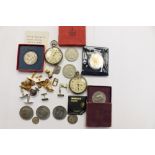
[30, 58]
[95, 61]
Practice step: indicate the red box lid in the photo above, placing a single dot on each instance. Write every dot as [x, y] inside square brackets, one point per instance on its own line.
[72, 36]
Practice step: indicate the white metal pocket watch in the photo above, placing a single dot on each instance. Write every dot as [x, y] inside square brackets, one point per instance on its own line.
[53, 55]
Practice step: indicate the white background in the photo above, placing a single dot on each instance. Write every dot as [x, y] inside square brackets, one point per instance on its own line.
[131, 75]
[96, 12]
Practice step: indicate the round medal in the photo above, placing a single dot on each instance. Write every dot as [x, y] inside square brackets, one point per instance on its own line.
[26, 112]
[99, 97]
[43, 112]
[30, 58]
[71, 54]
[59, 112]
[69, 71]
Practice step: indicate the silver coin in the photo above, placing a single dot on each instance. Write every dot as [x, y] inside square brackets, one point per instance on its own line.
[59, 112]
[43, 112]
[26, 113]
[99, 97]
[30, 58]
[35, 120]
[71, 54]
[69, 71]
[72, 119]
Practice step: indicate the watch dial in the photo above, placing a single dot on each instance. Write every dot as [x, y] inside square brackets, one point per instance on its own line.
[78, 85]
[53, 56]
[30, 58]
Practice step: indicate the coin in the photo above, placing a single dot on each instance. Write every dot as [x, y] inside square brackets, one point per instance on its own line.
[72, 119]
[35, 120]
[96, 61]
[99, 97]
[71, 54]
[59, 112]
[43, 112]
[30, 58]
[26, 113]
[69, 71]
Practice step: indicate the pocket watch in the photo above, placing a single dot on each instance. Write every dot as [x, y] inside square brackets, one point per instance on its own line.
[53, 55]
[96, 61]
[78, 84]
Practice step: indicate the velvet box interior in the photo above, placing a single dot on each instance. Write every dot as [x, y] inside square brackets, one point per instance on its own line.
[105, 89]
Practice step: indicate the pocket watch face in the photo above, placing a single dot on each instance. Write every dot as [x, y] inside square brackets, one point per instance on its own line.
[53, 55]
[96, 61]
[30, 58]
[78, 85]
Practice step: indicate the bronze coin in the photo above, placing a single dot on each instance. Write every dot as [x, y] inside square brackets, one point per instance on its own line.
[26, 113]
[72, 119]
[35, 120]
[43, 112]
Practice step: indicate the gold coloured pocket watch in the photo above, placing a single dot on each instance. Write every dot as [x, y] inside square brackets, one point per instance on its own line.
[78, 84]
[53, 55]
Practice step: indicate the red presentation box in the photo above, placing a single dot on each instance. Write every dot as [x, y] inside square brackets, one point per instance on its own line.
[72, 36]
[99, 107]
[39, 51]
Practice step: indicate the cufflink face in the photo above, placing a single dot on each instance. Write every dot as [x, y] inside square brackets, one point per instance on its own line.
[95, 61]
[30, 58]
